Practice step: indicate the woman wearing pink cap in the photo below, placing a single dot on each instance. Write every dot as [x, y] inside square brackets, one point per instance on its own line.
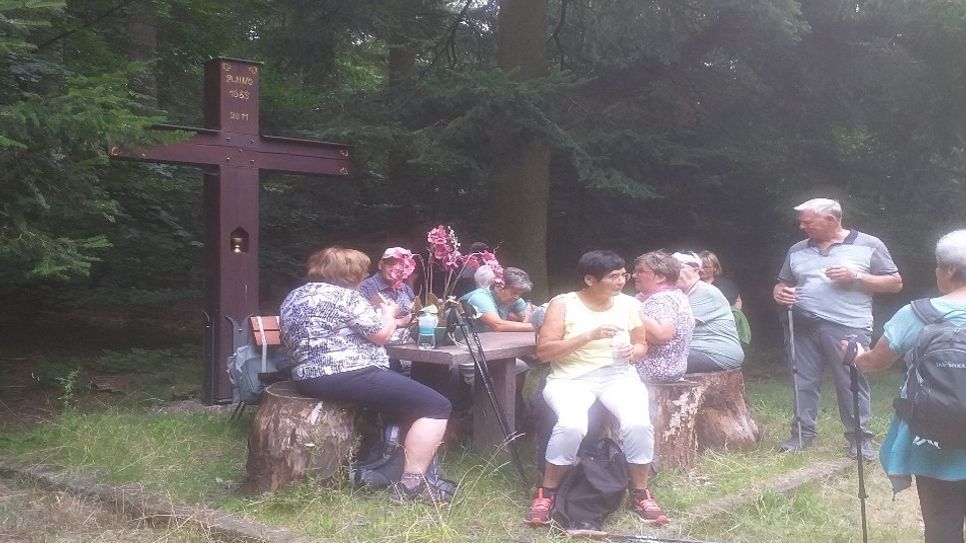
[389, 282]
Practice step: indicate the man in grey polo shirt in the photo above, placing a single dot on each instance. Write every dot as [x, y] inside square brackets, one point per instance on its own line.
[828, 280]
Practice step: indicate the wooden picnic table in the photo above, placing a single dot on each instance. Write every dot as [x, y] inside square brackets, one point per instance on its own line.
[501, 350]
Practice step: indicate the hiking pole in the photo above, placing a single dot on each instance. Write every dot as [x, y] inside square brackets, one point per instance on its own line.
[849, 360]
[647, 539]
[793, 363]
[480, 362]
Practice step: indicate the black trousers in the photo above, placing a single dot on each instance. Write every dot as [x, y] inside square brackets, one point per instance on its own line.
[943, 509]
[399, 399]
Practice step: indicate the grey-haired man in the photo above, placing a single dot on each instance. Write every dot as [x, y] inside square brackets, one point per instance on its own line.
[828, 280]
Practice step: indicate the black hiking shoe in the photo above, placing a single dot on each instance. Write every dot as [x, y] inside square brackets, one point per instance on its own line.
[794, 444]
[422, 493]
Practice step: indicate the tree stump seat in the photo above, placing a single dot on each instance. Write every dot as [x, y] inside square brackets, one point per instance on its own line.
[724, 419]
[294, 437]
[700, 411]
[674, 407]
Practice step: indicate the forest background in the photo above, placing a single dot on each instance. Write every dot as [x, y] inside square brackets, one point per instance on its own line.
[544, 127]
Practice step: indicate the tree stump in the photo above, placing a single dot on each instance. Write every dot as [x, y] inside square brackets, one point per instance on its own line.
[724, 420]
[673, 409]
[294, 437]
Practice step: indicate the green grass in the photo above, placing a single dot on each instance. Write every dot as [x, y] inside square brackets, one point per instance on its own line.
[199, 457]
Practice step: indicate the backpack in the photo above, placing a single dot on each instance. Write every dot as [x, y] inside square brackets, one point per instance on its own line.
[594, 488]
[382, 465]
[933, 399]
[250, 365]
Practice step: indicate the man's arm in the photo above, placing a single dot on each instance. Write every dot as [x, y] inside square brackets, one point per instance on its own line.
[878, 284]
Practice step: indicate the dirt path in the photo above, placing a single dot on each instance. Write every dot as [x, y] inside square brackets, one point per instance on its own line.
[32, 515]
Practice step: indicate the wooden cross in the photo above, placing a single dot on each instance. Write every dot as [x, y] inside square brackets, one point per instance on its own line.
[233, 154]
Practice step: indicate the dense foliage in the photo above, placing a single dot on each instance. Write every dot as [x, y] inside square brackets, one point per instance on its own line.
[670, 124]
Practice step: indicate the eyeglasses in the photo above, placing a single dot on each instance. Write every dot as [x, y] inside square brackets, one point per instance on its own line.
[643, 271]
[615, 276]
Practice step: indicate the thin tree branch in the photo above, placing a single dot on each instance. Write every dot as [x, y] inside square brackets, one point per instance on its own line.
[556, 32]
[88, 24]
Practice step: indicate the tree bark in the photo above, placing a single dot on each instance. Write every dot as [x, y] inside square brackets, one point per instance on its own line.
[142, 30]
[724, 420]
[673, 410]
[520, 182]
[294, 437]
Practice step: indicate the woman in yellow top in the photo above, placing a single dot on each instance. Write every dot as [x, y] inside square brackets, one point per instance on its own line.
[589, 337]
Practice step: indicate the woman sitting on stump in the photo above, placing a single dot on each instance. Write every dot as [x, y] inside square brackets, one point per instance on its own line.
[589, 338]
[666, 315]
[714, 342]
[335, 338]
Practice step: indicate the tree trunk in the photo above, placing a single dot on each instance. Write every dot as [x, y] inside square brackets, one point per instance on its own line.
[142, 30]
[520, 184]
[294, 437]
[673, 410]
[724, 420]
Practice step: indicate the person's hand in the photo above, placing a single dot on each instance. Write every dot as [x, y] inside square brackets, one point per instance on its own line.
[841, 275]
[604, 331]
[625, 351]
[844, 345]
[387, 307]
[784, 295]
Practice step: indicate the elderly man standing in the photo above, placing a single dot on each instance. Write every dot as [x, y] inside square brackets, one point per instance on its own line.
[828, 281]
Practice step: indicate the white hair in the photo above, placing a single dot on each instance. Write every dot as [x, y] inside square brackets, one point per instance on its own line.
[483, 276]
[821, 206]
[951, 252]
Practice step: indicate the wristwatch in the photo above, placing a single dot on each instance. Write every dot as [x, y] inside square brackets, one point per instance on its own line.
[859, 277]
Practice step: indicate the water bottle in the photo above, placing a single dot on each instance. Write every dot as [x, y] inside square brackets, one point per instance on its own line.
[621, 339]
[427, 331]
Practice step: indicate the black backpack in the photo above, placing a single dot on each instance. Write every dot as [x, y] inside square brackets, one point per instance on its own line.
[382, 465]
[594, 488]
[933, 399]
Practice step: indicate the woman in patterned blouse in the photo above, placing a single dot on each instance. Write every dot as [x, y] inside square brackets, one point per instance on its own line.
[667, 317]
[336, 337]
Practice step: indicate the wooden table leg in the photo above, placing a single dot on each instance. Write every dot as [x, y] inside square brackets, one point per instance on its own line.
[486, 428]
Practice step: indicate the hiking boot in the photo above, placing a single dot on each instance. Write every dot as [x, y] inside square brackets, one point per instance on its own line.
[642, 503]
[541, 511]
[868, 451]
[586, 528]
[795, 445]
[422, 493]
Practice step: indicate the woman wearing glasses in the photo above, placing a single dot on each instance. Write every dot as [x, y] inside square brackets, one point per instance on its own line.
[667, 317]
[589, 338]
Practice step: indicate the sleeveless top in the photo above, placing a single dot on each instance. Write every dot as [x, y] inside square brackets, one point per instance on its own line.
[624, 313]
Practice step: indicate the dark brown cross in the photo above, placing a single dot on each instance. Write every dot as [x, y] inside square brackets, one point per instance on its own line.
[234, 153]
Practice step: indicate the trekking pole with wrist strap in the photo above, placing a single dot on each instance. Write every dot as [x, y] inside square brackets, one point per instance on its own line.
[849, 360]
[480, 362]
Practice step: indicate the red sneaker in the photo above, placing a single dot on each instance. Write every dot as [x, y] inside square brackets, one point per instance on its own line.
[541, 510]
[642, 503]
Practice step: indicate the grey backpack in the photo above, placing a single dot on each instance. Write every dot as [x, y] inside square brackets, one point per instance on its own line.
[933, 399]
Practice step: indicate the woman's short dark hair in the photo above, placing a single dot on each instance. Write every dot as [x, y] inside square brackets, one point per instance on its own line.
[598, 264]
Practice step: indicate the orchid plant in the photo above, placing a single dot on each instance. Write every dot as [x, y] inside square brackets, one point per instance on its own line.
[443, 256]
